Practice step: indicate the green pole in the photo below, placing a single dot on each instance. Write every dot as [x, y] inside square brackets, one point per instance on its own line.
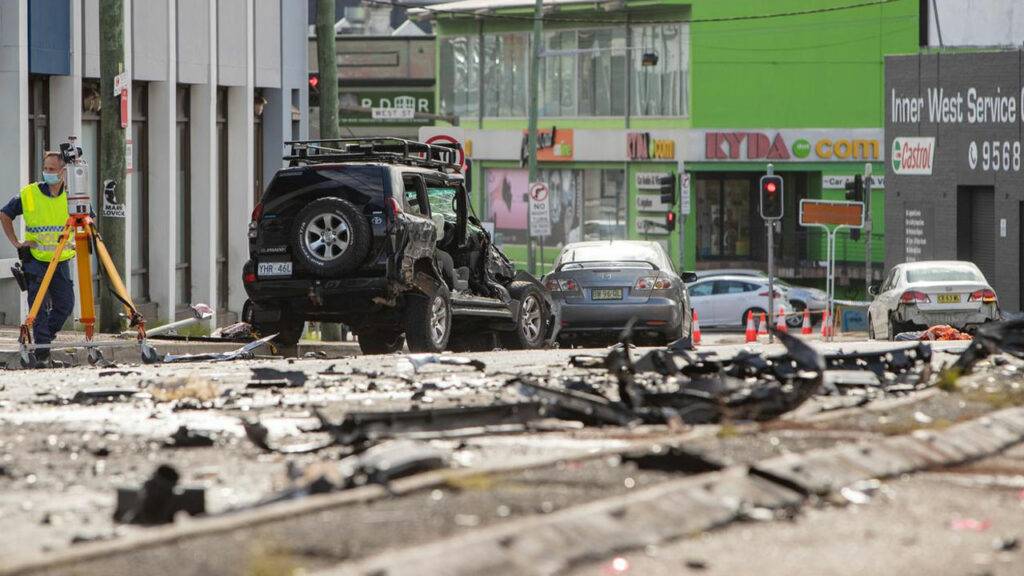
[538, 28]
[326, 59]
[112, 161]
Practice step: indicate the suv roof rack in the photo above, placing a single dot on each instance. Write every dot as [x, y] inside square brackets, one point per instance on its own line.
[380, 149]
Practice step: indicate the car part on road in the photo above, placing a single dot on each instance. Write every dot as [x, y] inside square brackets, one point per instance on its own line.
[245, 352]
[271, 378]
[418, 361]
[184, 437]
[159, 500]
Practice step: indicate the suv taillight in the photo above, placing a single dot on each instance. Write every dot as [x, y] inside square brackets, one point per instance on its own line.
[914, 297]
[394, 206]
[985, 295]
[257, 212]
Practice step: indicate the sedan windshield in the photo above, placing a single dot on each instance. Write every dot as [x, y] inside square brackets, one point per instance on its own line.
[612, 253]
[944, 274]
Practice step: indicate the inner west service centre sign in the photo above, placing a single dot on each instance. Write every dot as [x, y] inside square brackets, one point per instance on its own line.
[825, 145]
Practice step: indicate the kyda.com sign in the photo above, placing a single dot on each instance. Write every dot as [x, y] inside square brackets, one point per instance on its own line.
[815, 145]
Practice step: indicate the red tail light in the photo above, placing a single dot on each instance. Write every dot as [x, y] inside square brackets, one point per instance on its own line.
[561, 285]
[249, 278]
[652, 283]
[257, 212]
[914, 297]
[985, 295]
[394, 206]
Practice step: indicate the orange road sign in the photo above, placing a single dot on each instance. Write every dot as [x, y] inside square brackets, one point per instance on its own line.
[831, 212]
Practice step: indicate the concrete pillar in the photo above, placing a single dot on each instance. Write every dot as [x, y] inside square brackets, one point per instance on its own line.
[241, 183]
[204, 183]
[14, 149]
[277, 128]
[163, 181]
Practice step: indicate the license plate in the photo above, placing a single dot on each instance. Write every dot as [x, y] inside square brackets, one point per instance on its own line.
[271, 269]
[606, 294]
[949, 298]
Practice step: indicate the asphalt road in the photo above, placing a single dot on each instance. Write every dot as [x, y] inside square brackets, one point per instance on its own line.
[70, 437]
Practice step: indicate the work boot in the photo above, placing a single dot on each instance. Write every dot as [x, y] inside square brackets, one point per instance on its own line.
[42, 358]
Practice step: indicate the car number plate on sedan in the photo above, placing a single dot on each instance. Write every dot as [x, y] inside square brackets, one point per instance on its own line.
[274, 269]
[949, 298]
[606, 294]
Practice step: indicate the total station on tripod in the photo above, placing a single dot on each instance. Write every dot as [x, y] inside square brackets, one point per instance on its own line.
[76, 177]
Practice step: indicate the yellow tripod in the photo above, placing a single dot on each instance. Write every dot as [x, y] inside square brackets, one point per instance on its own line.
[83, 228]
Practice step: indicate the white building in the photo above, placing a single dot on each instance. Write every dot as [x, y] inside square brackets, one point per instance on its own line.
[216, 87]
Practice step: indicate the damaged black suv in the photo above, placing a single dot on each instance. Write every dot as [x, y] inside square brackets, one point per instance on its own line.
[379, 234]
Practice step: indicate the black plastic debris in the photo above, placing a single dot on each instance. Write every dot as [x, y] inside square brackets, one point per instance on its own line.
[259, 435]
[102, 395]
[183, 437]
[271, 378]
[991, 339]
[392, 460]
[159, 500]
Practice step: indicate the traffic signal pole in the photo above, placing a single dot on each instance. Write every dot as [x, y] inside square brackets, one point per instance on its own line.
[867, 228]
[535, 48]
[770, 229]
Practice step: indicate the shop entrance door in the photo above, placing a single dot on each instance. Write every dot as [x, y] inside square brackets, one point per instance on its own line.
[724, 216]
[976, 228]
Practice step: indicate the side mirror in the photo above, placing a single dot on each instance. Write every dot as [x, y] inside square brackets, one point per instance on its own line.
[873, 289]
[688, 277]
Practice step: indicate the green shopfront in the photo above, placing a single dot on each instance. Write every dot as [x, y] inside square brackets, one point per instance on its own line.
[715, 107]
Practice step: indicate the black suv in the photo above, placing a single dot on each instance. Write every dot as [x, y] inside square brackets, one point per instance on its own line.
[379, 234]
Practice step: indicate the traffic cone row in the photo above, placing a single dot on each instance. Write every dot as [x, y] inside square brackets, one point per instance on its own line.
[751, 335]
[806, 328]
[762, 328]
[780, 321]
[696, 329]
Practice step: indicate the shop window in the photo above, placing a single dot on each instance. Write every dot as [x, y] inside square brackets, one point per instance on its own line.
[183, 196]
[140, 195]
[506, 65]
[460, 75]
[602, 89]
[723, 217]
[661, 89]
[558, 76]
[604, 204]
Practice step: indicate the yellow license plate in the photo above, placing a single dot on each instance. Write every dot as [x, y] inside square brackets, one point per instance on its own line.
[949, 298]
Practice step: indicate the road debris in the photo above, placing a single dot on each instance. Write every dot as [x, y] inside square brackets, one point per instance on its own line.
[416, 362]
[239, 331]
[188, 389]
[271, 378]
[183, 437]
[159, 500]
[102, 395]
[245, 352]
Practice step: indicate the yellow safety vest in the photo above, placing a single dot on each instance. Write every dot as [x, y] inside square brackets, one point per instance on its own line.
[45, 217]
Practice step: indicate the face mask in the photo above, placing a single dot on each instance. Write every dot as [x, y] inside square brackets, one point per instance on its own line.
[50, 178]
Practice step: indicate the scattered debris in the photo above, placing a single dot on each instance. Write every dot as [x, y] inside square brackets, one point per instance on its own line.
[271, 378]
[158, 500]
[238, 331]
[183, 437]
[1006, 544]
[108, 373]
[970, 525]
[102, 395]
[415, 362]
[243, 353]
[183, 388]
[258, 434]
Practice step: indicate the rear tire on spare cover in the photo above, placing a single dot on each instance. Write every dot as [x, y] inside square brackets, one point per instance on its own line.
[531, 322]
[429, 320]
[330, 237]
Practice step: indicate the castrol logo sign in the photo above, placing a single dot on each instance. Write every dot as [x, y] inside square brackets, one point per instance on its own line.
[913, 156]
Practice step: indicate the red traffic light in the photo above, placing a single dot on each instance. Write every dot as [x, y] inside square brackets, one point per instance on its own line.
[670, 221]
[770, 187]
[314, 81]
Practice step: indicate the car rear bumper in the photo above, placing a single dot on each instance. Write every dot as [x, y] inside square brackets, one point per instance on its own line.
[657, 314]
[276, 289]
[958, 319]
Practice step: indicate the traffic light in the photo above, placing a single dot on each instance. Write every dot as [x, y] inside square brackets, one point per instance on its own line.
[314, 89]
[771, 197]
[855, 189]
[667, 186]
[670, 221]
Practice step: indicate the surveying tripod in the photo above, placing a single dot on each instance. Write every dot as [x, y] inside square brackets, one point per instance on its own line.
[87, 239]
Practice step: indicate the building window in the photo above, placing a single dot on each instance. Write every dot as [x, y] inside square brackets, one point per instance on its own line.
[222, 200]
[140, 194]
[585, 74]
[604, 204]
[183, 197]
[723, 217]
[38, 123]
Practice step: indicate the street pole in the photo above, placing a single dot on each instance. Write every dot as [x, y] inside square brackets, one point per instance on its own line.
[327, 64]
[867, 227]
[769, 229]
[538, 28]
[112, 162]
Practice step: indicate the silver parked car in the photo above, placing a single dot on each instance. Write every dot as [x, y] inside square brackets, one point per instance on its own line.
[799, 297]
[600, 286]
[922, 294]
[725, 301]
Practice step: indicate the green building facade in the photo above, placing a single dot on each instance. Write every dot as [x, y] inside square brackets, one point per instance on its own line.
[736, 84]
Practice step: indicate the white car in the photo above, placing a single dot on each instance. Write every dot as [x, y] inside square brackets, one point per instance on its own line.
[725, 301]
[917, 295]
[799, 297]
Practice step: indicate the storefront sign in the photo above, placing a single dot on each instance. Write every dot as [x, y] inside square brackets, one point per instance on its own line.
[786, 145]
[651, 203]
[833, 213]
[913, 156]
[834, 182]
[553, 145]
[391, 106]
[649, 180]
[540, 213]
[641, 146]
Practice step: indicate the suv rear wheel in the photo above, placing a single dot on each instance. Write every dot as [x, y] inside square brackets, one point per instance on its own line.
[530, 325]
[429, 321]
[330, 237]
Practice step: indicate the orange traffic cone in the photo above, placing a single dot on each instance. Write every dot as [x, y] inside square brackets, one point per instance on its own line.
[780, 321]
[751, 331]
[826, 330]
[806, 329]
[696, 329]
[762, 328]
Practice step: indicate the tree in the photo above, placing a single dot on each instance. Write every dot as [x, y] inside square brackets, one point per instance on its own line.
[328, 66]
[112, 162]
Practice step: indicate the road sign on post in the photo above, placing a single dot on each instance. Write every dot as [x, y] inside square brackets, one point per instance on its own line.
[540, 214]
[831, 216]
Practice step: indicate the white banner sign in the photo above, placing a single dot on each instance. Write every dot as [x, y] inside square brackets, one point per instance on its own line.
[651, 203]
[829, 182]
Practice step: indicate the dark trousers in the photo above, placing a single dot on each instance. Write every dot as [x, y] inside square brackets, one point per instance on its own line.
[59, 302]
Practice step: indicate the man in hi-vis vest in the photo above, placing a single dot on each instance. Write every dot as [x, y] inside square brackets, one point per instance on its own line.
[44, 206]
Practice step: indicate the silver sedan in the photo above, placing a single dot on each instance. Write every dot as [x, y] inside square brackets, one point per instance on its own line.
[922, 294]
[601, 286]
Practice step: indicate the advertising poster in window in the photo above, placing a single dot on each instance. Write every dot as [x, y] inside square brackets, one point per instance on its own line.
[507, 205]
